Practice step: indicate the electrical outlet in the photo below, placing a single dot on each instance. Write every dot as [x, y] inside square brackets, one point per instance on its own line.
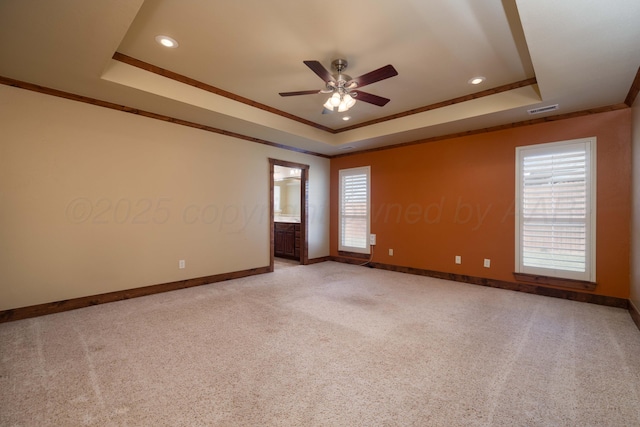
[372, 239]
[458, 259]
[487, 263]
[390, 252]
[181, 264]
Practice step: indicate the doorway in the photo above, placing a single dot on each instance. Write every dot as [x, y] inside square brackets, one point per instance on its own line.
[289, 206]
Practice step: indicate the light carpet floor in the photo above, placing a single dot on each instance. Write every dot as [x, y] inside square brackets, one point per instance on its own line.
[324, 345]
[280, 263]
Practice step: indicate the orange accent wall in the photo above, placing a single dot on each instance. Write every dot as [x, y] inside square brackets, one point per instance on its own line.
[433, 201]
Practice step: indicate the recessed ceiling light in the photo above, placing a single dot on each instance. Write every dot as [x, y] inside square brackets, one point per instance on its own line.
[476, 80]
[167, 41]
[345, 118]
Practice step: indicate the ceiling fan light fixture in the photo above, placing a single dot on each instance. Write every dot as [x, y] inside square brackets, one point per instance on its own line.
[349, 101]
[335, 99]
[328, 105]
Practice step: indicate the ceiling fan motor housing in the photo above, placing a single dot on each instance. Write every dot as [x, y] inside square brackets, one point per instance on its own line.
[341, 79]
[339, 64]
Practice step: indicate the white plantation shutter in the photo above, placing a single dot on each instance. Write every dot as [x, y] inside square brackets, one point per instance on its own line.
[556, 209]
[354, 210]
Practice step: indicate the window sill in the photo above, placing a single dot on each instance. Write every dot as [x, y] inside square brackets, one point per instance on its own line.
[555, 281]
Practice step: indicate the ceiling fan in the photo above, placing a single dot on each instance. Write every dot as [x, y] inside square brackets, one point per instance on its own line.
[343, 88]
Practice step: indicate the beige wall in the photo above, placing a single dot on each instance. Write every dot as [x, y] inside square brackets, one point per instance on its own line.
[96, 200]
[635, 213]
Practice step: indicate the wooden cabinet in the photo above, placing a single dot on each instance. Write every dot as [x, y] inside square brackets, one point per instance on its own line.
[287, 240]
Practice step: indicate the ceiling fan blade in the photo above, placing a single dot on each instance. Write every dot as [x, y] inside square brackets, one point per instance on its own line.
[301, 92]
[376, 75]
[317, 68]
[370, 98]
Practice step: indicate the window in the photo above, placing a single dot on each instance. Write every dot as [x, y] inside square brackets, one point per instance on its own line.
[354, 210]
[555, 209]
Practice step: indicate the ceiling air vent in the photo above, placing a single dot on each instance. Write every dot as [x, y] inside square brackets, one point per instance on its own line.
[543, 109]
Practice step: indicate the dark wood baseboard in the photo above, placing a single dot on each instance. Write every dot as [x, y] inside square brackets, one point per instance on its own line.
[318, 260]
[72, 304]
[512, 286]
[555, 281]
[354, 256]
[635, 313]
[351, 258]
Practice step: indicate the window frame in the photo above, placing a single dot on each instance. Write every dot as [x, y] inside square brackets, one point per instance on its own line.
[590, 147]
[342, 174]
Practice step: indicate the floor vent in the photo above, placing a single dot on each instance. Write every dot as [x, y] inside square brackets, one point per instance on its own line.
[543, 109]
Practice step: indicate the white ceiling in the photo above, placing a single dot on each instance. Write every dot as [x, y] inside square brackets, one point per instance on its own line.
[584, 54]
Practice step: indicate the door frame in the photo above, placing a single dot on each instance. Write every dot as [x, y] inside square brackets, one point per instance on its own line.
[304, 208]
